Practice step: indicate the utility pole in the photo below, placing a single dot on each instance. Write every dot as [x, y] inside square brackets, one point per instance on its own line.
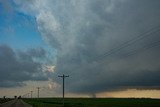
[38, 91]
[28, 94]
[31, 93]
[63, 77]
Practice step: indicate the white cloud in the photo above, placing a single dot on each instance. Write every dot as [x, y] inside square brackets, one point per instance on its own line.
[49, 68]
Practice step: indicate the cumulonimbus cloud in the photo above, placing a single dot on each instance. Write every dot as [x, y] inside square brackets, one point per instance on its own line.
[85, 30]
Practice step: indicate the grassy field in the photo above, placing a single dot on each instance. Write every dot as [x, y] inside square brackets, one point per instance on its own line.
[94, 102]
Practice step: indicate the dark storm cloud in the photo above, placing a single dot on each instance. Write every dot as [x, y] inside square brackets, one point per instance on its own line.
[18, 67]
[105, 31]
[83, 31]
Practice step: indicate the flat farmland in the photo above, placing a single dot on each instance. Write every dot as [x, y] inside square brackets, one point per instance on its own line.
[94, 102]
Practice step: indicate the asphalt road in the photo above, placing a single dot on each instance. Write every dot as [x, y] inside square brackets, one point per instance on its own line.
[15, 103]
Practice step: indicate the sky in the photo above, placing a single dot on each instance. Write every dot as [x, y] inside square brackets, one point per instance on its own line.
[109, 48]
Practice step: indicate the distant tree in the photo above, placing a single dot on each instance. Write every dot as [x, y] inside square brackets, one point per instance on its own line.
[15, 97]
[4, 97]
[19, 97]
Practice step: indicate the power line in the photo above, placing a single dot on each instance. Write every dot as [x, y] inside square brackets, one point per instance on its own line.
[63, 77]
[31, 93]
[152, 45]
[128, 43]
[38, 88]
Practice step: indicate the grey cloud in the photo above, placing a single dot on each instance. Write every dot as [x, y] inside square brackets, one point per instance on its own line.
[18, 67]
[85, 29]
[8, 84]
[6, 5]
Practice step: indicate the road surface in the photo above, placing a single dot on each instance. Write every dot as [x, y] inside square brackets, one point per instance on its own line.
[15, 103]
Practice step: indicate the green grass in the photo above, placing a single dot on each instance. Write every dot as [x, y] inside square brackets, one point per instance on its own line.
[94, 102]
